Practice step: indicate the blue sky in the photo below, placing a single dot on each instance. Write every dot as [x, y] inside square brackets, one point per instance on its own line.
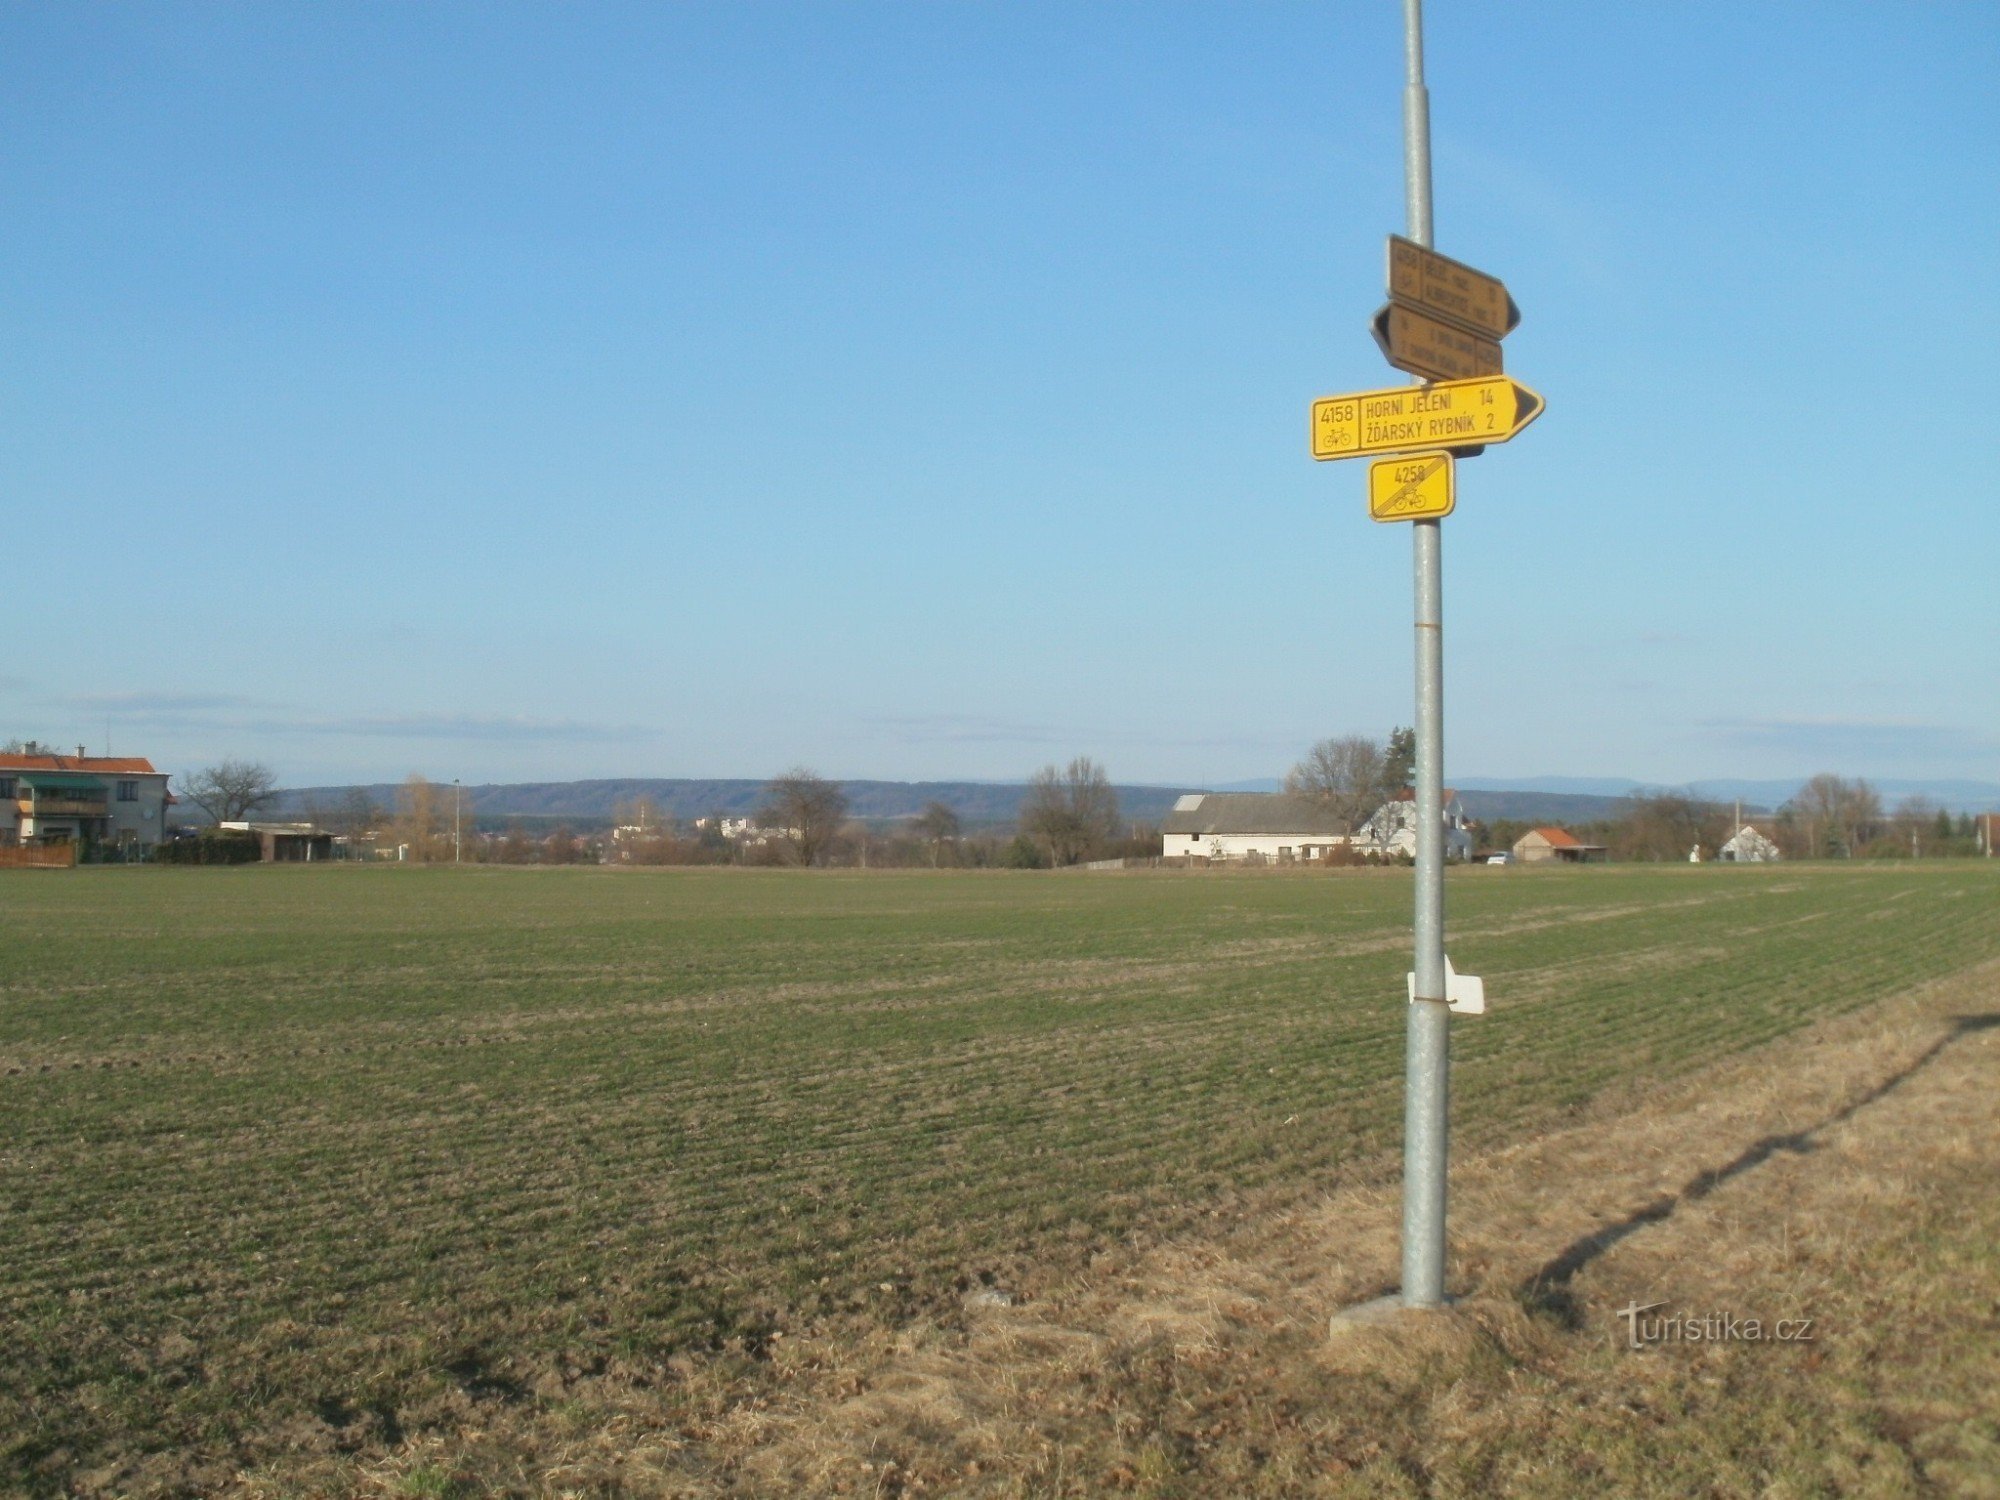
[521, 392]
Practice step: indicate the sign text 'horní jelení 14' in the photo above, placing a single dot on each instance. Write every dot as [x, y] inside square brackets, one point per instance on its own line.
[1450, 414]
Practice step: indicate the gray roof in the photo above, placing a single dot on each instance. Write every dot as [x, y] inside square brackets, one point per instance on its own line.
[1252, 812]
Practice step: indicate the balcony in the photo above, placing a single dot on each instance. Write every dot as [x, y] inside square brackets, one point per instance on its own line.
[63, 806]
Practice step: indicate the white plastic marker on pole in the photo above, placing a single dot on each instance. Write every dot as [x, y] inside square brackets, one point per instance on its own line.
[1464, 994]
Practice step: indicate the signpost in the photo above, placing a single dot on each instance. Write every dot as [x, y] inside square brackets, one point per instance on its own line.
[1444, 322]
[1431, 348]
[1449, 414]
[1411, 487]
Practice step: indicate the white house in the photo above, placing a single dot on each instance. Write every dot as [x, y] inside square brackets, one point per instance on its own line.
[1255, 826]
[745, 831]
[93, 800]
[1749, 847]
[1277, 828]
[1392, 829]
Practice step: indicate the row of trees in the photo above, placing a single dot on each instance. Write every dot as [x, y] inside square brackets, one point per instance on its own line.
[1833, 817]
[1829, 817]
[1068, 814]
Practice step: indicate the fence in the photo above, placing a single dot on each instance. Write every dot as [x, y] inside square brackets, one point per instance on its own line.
[37, 857]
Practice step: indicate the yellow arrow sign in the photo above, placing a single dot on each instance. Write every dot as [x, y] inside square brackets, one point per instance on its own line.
[1411, 487]
[1450, 414]
[1421, 278]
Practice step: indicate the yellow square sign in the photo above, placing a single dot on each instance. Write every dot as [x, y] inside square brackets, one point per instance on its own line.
[1411, 487]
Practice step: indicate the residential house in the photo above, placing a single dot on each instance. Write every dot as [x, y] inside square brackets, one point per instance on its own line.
[99, 802]
[745, 831]
[1392, 829]
[1748, 847]
[1541, 846]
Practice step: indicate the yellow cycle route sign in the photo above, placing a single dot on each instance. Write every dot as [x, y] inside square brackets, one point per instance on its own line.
[1449, 414]
[1411, 487]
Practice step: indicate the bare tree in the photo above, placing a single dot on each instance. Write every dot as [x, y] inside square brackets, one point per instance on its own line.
[352, 816]
[1834, 815]
[1070, 809]
[937, 825]
[355, 814]
[1666, 825]
[1917, 826]
[420, 818]
[231, 790]
[808, 807]
[1349, 776]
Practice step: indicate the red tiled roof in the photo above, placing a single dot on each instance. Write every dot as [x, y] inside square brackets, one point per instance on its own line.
[1560, 838]
[110, 765]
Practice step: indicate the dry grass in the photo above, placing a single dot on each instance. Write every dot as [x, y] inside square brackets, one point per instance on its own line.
[1843, 1176]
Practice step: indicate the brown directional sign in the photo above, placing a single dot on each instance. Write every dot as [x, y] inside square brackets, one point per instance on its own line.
[1436, 284]
[1419, 343]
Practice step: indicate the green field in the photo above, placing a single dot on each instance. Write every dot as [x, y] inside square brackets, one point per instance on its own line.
[308, 1160]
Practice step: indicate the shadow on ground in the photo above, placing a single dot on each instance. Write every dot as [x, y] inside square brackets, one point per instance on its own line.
[1548, 1292]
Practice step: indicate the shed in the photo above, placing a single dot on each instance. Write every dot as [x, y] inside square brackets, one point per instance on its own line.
[1541, 846]
[288, 843]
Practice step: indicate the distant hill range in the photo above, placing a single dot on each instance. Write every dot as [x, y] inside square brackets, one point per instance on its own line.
[979, 804]
[595, 803]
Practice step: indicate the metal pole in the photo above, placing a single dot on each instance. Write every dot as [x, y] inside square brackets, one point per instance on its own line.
[454, 820]
[1427, 1058]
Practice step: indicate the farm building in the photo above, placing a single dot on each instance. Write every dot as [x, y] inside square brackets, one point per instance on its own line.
[288, 843]
[1541, 846]
[93, 801]
[1748, 847]
[1254, 826]
[1278, 828]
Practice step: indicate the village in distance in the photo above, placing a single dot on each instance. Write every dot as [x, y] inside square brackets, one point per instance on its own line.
[1347, 802]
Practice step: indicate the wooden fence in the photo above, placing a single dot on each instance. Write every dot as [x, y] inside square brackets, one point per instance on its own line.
[38, 857]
